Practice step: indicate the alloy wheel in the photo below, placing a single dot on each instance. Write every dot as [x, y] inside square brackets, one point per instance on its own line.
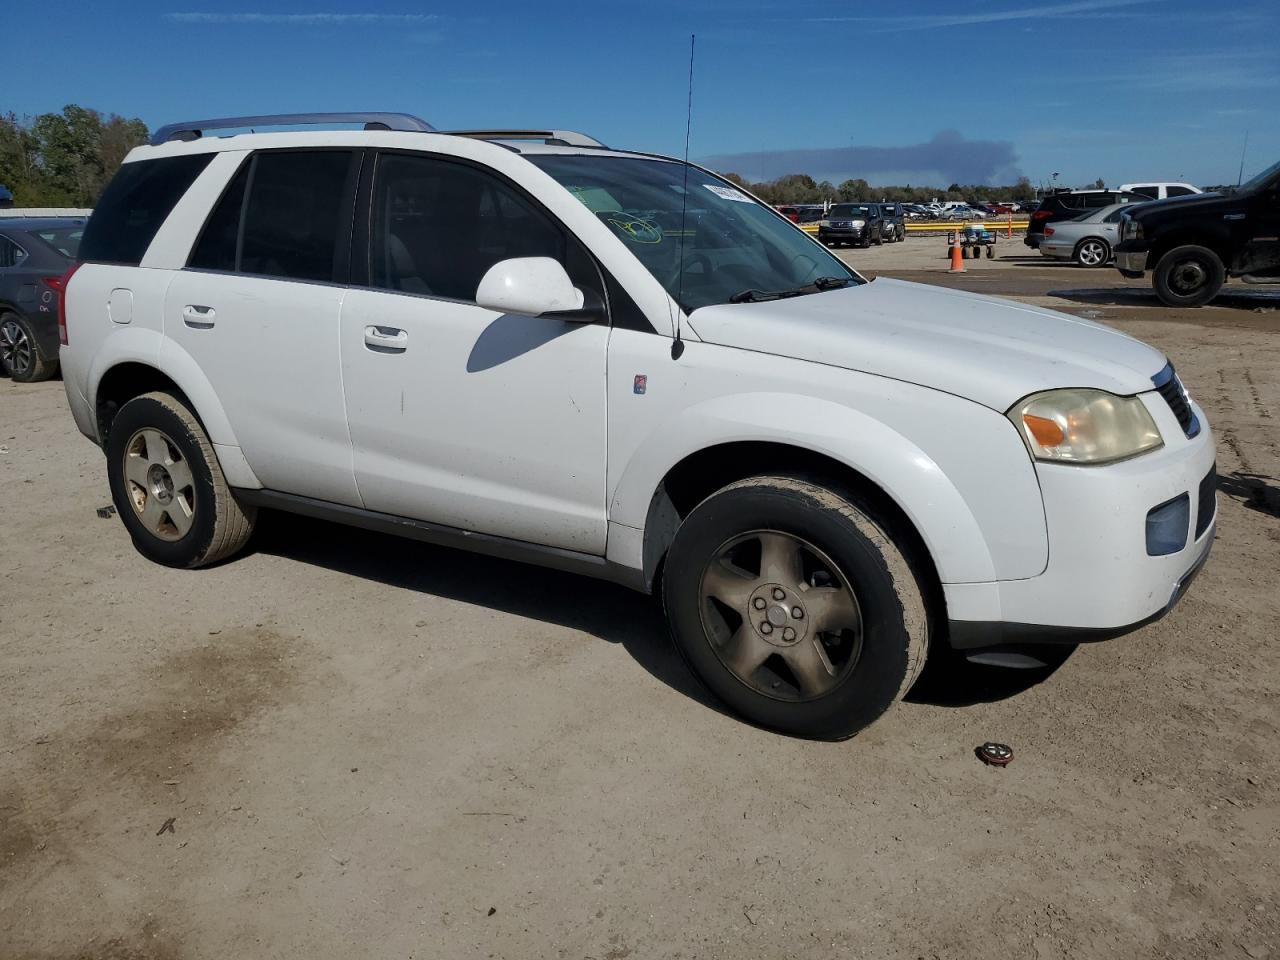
[15, 347]
[780, 615]
[1092, 253]
[159, 484]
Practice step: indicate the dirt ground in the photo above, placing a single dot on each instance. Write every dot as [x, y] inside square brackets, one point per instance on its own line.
[343, 745]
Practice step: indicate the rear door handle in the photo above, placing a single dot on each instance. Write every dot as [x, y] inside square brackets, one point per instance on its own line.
[1233, 216]
[198, 317]
[386, 339]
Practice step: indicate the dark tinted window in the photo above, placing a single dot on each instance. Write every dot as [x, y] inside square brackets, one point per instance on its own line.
[1179, 192]
[135, 204]
[437, 227]
[293, 219]
[10, 253]
[216, 248]
[1147, 190]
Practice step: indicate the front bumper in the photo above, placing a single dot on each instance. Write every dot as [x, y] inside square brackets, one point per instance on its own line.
[1100, 581]
[850, 233]
[1132, 263]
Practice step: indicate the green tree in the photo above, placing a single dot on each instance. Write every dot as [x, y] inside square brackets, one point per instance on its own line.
[64, 159]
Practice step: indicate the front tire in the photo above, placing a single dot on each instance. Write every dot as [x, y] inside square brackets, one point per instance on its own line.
[1188, 276]
[795, 607]
[20, 355]
[168, 487]
[1092, 252]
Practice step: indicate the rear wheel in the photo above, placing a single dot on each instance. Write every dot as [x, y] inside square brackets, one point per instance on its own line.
[1092, 252]
[168, 487]
[1188, 276]
[20, 355]
[795, 607]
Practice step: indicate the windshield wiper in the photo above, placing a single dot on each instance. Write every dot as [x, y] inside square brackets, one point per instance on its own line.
[832, 283]
[754, 296]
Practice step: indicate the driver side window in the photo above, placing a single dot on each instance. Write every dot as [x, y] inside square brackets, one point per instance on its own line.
[437, 227]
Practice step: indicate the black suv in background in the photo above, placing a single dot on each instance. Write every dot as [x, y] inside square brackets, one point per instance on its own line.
[1192, 244]
[858, 223]
[1071, 204]
[34, 254]
[894, 222]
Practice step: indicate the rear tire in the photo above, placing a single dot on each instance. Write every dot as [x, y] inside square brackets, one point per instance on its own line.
[793, 605]
[1188, 276]
[168, 487]
[20, 355]
[1092, 252]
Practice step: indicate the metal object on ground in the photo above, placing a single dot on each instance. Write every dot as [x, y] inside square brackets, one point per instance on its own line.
[995, 754]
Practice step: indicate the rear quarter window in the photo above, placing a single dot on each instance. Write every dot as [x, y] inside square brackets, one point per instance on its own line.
[134, 205]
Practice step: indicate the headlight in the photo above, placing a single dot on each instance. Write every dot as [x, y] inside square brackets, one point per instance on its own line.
[824, 223]
[1130, 229]
[859, 223]
[1085, 426]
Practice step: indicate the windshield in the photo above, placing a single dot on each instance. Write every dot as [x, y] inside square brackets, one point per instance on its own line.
[1261, 178]
[841, 211]
[731, 243]
[66, 240]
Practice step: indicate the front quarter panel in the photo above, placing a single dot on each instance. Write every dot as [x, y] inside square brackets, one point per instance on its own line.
[957, 469]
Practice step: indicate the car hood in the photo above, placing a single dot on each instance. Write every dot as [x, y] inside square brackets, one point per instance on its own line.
[987, 350]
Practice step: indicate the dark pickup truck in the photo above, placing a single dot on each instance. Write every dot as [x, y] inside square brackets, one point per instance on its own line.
[1193, 244]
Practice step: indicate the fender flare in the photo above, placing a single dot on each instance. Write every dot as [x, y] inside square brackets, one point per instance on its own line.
[903, 471]
[153, 349]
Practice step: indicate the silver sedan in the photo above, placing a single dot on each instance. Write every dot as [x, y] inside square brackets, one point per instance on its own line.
[1088, 240]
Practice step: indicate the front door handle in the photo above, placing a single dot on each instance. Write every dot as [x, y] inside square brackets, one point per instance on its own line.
[1233, 216]
[386, 339]
[198, 317]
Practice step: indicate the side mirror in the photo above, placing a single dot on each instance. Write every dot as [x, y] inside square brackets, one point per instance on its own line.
[535, 287]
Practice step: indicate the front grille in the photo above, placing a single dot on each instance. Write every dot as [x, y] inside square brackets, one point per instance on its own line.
[1207, 504]
[1175, 395]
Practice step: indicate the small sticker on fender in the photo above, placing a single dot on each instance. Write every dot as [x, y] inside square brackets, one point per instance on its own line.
[641, 383]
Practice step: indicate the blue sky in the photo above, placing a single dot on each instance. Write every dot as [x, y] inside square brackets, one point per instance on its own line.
[890, 90]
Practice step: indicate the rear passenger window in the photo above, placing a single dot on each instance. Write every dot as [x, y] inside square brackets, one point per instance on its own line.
[1179, 192]
[134, 205]
[438, 226]
[294, 222]
[10, 253]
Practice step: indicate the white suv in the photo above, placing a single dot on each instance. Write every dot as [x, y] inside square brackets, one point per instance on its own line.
[527, 344]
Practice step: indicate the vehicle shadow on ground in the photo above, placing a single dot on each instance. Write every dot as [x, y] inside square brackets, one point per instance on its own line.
[1254, 490]
[605, 610]
[949, 680]
[1231, 297]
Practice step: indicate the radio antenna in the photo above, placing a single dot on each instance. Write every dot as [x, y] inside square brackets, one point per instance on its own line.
[1240, 175]
[677, 345]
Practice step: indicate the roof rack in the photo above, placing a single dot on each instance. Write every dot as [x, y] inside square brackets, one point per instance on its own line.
[194, 129]
[555, 138]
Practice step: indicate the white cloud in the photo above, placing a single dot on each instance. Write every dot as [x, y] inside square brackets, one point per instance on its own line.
[933, 21]
[302, 19]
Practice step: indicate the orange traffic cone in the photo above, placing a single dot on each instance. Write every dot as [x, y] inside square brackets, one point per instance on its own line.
[957, 258]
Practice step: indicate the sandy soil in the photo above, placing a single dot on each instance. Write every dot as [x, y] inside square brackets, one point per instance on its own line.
[372, 748]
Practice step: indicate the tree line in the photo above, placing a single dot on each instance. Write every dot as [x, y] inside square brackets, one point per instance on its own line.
[801, 188]
[64, 159]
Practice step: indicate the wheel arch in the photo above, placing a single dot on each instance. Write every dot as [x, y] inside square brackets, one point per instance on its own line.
[702, 472]
[1216, 240]
[132, 372]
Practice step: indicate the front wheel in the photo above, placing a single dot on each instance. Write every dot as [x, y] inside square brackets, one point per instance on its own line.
[795, 607]
[1188, 276]
[168, 486]
[1092, 252]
